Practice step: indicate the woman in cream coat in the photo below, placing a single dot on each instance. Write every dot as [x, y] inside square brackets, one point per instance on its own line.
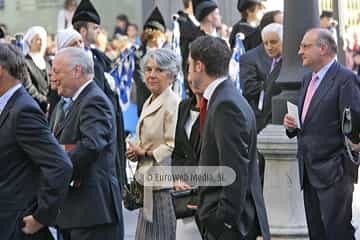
[156, 134]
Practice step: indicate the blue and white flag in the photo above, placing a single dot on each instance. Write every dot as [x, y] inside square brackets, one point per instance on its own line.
[122, 74]
[178, 85]
[234, 66]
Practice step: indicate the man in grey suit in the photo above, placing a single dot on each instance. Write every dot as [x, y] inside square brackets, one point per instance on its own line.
[326, 173]
[254, 68]
[93, 208]
[228, 133]
[35, 171]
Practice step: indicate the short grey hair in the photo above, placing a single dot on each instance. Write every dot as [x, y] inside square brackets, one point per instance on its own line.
[275, 28]
[325, 37]
[78, 56]
[165, 59]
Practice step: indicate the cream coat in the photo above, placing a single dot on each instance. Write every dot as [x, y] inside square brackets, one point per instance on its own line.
[156, 129]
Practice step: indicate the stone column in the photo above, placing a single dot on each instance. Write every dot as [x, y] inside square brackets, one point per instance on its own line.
[283, 197]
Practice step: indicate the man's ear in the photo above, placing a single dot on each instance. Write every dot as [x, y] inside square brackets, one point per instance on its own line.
[2, 71]
[83, 31]
[77, 71]
[324, 49]
[199, 66]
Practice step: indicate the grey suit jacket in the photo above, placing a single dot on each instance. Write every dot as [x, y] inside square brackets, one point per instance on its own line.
[90, 126]
[229, 139]
[321, 149]
[254, 70]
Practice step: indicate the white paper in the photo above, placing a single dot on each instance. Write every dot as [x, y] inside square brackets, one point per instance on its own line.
[294, 112]
[261, 100]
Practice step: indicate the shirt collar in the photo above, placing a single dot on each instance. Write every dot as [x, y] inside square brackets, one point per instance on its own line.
[209, 91]
[77, 93]
[4, 99]
[322, 72]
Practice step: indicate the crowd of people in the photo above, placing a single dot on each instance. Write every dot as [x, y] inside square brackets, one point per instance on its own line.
[65, 149]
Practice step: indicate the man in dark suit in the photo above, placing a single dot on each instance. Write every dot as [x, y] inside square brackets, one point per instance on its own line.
[272, 36]
[86, 21]
[35, 171]
[92, 209]
[228, 133]
[326, 172]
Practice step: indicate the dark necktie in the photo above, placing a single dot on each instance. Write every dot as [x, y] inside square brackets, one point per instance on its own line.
[62, 111]
[203, 106]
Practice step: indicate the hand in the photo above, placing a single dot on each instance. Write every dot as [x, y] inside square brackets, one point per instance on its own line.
[31, 225]
[355, 147]
[134, 151]
[180, 186]
[194, 207]
[289, 122]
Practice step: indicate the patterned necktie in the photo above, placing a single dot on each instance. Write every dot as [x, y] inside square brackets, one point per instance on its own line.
[309, 94]
[202, 117]
[66, 106]
[61, 112]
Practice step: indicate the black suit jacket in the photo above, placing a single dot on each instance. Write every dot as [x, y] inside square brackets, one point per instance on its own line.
[35, 171]
[229, 139]
[90, 125]
[254, 69]
[321, 149]
[36, 82]
[142, 92]
[252, 35]
[187, 150]
[188, 33]
[102, 64]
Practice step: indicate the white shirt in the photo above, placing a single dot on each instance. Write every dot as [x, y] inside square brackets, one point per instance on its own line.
[77, 93]
[209, 91]
[190, 122]
[4, 99]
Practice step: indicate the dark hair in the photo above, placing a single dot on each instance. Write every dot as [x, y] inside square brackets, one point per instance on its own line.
[249, 6]
[214, 53]
[122, 17]
[268, 18]
[326, 14]
[80, 24]
[12, 60]
[186, 3]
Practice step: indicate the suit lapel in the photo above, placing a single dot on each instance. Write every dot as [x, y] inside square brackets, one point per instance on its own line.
[321, 91]
[9, 105]
[61, 124]
[184, 116]
[150, 108]
[75, 105]
[302, 93]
